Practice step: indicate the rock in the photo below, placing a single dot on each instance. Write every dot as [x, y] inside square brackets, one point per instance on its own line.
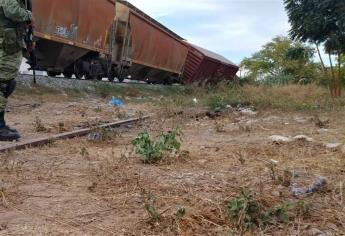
[333, 146]
[248, 112]
[319, 183]
[280, 139]
[303, 138]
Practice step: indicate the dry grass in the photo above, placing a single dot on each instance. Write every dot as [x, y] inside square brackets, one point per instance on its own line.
[79, 187]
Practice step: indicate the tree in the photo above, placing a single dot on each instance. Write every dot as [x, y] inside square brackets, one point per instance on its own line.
[321, 22]
[281, 57]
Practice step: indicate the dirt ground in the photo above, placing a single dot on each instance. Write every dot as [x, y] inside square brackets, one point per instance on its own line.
[80, 187]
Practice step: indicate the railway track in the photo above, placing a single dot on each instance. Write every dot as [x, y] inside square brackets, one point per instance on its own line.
[67, 135]
[45, 80]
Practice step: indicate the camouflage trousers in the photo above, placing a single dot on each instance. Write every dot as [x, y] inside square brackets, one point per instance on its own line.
[9, 67]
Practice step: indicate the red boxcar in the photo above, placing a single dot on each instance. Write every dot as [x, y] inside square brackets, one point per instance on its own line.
[204, 67]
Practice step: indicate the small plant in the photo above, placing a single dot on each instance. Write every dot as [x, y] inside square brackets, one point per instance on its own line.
[248, 213]
[98, 109]
[85, 153]
[180, 213]
[151, 151]
[245, 211]
[279, 213]
[152, 212]
[216, 102]
[38, 125]
[62, 127]
[220, 127]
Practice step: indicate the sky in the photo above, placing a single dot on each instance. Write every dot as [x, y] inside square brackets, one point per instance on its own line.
[234, 28]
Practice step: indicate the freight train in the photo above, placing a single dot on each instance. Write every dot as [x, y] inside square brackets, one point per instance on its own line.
[112, 38]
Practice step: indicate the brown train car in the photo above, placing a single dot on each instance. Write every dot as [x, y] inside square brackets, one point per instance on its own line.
[105, 38]
[67, 30]
[114, 39]
[204, 67]
[155, 53]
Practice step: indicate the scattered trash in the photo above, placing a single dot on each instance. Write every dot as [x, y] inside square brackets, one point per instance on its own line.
[95, 137]
[280, 139]
[303, 138]
[115, 102]
[333, 146]
[247, 112]
[195, 100]
[317, 185]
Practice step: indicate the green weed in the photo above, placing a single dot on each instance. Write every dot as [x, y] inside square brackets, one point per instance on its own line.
[247, 213]
[152, 151]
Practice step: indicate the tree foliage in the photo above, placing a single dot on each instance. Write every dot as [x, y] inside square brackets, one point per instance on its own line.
[321, 22]
[282, 58]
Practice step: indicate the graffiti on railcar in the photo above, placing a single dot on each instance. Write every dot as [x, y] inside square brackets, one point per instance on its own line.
[65, 32]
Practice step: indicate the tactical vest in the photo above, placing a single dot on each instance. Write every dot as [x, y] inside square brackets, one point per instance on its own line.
[11, 33]
[4, 21]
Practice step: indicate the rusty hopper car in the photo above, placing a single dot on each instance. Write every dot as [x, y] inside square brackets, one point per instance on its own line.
[156, 54]
[105, 38]
[204, 67]
[72, 34]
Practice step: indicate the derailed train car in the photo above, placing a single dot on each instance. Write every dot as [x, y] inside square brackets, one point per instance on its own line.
[204, 67]
[111, 39]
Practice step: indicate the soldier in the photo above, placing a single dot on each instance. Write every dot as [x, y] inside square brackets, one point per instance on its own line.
[13, 15]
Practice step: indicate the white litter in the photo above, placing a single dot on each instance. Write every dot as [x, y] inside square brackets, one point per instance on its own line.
[280, 139]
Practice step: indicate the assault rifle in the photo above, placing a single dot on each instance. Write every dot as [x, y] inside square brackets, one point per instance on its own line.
[30, 42]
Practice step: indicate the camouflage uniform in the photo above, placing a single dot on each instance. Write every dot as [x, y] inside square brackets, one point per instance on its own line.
[13, 16]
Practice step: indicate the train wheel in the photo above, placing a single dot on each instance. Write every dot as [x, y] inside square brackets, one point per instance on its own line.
[79, 75]
[68, 75]
[77, 72]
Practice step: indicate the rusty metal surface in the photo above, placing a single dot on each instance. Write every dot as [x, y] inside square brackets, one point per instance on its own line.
[76, 22]
[154, 47]
[68, 135]
[149, 18]
[204, 67]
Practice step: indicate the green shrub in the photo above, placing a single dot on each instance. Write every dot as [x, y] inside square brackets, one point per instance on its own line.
[216, 101]
[248, 213]
[152, 151]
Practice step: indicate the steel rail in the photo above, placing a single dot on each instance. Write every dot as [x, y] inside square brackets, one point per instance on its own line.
[68, 135]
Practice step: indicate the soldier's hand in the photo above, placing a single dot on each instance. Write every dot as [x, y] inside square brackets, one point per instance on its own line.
[30, 15]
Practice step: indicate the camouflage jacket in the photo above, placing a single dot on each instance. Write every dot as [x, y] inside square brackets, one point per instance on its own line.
[12, 14]
[13, 18]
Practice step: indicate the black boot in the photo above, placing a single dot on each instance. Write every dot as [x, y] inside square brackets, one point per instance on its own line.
[3, 122]
[7, 135]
